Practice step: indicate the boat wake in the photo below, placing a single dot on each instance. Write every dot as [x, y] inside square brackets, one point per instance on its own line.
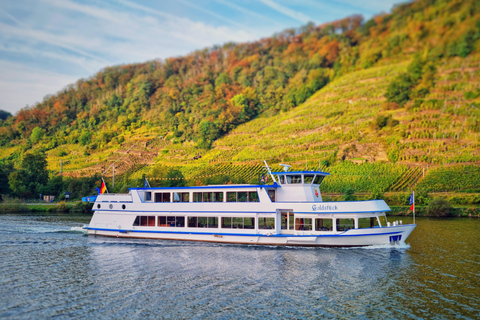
[400, 246]
[80, 230]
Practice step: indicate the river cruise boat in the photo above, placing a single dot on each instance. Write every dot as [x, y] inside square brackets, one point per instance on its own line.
[288, 212]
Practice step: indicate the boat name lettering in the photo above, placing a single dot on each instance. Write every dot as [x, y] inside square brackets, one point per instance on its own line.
[324, 207]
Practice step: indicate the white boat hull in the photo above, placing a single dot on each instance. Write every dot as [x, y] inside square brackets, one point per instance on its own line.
[350, 238]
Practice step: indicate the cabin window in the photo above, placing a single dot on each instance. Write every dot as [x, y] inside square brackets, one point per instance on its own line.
[207, 197]
[242, 197]
[238, 222]
[231, 197]
[253, 196]
[345, 224]
[144, 221]
[271, 194]
[197, 197]
[303, 224]
[212, 222]
[203, 222]
[308, 178]
[218, 197]
[226, 222]
[266, 223]
[294, 178]
[181, 197]
[171, 221]
[213, 197]
[367, 222]
[148, 196]
[323, 224]
[162, 197]
[318, 179]
[192, 222]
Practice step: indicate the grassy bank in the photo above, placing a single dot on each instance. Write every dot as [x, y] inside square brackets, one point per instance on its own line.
[61, 207]
[422, 211]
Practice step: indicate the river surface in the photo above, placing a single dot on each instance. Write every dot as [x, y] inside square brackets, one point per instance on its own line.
[49, 268]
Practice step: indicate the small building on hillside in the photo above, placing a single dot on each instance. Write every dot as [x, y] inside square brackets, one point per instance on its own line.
[48, 198]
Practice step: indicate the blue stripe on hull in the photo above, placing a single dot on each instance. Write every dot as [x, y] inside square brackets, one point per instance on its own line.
[247, 234]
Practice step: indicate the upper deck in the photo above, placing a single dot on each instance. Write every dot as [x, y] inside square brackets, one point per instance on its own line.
[298, 186]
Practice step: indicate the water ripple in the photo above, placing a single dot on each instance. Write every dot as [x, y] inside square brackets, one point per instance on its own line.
[51, 269]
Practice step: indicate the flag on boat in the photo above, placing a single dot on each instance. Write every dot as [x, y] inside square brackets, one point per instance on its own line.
[412, 201]
[103, 188]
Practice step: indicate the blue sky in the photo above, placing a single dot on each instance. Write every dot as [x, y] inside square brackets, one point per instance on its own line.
[46, 45]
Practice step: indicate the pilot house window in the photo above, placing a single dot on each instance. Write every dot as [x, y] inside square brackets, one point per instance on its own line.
[294, 178]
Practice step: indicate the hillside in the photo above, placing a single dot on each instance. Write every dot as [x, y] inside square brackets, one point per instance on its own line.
[379, 103]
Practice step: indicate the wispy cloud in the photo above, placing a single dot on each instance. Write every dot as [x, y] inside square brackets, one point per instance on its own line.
[213, 14]
[17, 80]
[299, 16]
[248, 12]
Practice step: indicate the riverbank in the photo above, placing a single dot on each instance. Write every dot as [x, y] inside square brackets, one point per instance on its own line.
[83, 207]
[422, 211]
[41, 207]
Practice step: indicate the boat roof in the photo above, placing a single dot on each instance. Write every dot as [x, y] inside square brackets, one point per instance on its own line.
[227, 186]
[303, 172]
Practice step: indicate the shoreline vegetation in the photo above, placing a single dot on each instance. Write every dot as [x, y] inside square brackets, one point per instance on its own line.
[437, 207]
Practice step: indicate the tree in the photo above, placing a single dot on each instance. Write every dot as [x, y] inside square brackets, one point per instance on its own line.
[4, 114]
[349, 194]
[85, 138]
[33, 175]
[37, 134]
[4, 186]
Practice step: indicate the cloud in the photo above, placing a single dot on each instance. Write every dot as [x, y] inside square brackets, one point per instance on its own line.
[21, 85]
[299, 16]
[65, 40]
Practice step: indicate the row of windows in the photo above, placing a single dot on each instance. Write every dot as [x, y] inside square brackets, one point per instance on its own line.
[204, 222]
[241, 196]
[319, 224]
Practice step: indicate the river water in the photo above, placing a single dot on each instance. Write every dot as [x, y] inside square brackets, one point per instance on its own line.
[49, 268]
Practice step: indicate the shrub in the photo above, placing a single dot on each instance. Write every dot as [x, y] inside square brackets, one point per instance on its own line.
[62, 207]
[83, 207]
[377, 195]
[439, 207]
[349, 194]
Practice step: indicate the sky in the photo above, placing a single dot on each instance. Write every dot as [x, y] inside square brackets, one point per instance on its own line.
[45, 45]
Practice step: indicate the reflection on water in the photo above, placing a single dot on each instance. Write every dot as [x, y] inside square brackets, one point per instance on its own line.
[49, 268]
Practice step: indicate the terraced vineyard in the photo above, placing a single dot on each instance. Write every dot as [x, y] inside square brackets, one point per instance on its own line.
[368, 177]
[452, 178]
[335, 125]
[408, 179]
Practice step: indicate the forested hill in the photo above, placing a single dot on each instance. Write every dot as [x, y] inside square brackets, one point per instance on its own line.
[422, 58]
